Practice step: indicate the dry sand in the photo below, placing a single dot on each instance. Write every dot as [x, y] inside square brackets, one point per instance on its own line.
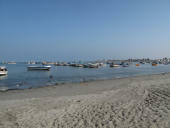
[136, 102]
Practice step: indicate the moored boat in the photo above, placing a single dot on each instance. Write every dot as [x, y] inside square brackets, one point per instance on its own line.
[79, 65]
[3, 71]
[142, 62]
[91, 65]
[114, 65]
[137, 65]
[85, 66]
[44, 67]
[58, 64]
[125, 64]
[12, 62]
[154, 63]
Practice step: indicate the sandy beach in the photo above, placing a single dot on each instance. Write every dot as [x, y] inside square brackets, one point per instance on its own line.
[135, 102]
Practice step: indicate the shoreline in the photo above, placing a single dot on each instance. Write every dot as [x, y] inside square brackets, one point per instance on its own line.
[85, 81]
[140, 101]
[71, 89]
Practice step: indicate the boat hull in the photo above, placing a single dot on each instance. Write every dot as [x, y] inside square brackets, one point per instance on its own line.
[125, 65]
[137, 65]
[39, 67]
[3, 73]
[154, 64]
[115, 65]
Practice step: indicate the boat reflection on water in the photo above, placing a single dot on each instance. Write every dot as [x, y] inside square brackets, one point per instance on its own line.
[3, 77]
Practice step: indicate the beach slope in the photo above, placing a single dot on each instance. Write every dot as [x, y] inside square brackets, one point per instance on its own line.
[135, 102]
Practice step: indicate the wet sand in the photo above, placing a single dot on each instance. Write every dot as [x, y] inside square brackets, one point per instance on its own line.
[135, 102]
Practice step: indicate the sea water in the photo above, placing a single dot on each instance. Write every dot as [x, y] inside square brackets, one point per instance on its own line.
[20, 78]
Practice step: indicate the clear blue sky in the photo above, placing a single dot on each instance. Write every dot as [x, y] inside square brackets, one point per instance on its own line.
[84, 29]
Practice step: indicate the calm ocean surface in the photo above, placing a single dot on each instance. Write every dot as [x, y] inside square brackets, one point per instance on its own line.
[19, 78]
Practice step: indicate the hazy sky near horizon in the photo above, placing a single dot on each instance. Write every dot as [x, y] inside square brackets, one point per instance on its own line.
[84, 29]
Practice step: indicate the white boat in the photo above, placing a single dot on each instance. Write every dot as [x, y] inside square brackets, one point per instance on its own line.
[95, 65]
[125, 65]
[31, 62]
[114, 65]
[3, 71]
[12, 62]
[43, 67]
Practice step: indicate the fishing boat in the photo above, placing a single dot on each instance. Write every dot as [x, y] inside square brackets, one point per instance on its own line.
[44, 67]
[125, 65]
[137, 65]
[57, 64]
[142, 62]
[12, 62]
[72, 64]
[3, 71]
[154, 64]
[85, 66]
[114, 65]
[79, 65]
[31, 62]
[65, 64]
[95, 65]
